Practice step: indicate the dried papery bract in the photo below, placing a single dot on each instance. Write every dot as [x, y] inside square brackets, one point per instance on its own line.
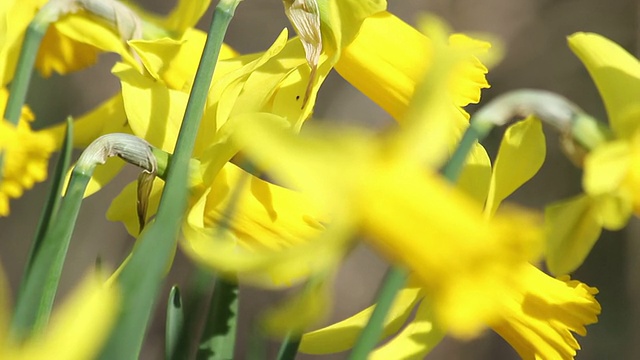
[305, 17]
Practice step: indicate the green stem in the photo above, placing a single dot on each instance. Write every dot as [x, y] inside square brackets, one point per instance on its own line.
[141, 277]
[394, 281]
[289, 347]
[24, 69]
[34, 304]
[175, 323]
[50, 210]
[218, 339]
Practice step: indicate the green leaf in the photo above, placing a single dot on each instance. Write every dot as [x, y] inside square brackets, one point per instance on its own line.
[175, 323]
[218, 339]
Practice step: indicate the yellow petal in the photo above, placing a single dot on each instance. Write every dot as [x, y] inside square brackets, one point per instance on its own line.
[617, 76]
[154, 112]
[88, 314]
[26, 158]
[538, 321]
[257, 241]
[416, 340]
[15, 16]
[605, 179]
[342, 19]
[301, 310]
[342, 335]
[521, 154]
[476, 174]
[123, 207]
[388, 58]
[83, 29]
[572, 228]
[175, 61]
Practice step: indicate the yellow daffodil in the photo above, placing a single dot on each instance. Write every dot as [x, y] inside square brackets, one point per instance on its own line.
[26, 156]
[538, 313]
[245, 89]
[77, 330]
[611, 170]
[85, 30]
[379, 185]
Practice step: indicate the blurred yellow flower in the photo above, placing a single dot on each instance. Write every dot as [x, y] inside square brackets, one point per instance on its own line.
[611, 170]
[26, 156]
[77, 331]
[379, 185]
[537, 313]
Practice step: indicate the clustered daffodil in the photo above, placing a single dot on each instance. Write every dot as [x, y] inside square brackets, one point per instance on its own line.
[611, 170]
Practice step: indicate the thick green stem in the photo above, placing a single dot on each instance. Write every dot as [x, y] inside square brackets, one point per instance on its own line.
[34, 304]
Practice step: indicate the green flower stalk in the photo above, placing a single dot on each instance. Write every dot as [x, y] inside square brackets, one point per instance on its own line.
[35, 302]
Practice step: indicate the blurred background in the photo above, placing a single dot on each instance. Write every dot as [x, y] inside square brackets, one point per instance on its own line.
[533, 33]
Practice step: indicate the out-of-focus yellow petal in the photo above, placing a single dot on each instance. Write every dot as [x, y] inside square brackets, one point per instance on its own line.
[88, 315]
[26, 157]
[572, 227]
[389, 57]
[342, 335]
[416, 340]
[544, 312]
[476, 174]
[300, 311]
[606, 180]
[617, 76]
[606, 167]
[410, 215]
[522, 152]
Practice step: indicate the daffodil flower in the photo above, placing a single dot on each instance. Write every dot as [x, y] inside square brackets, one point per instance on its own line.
[26, 155]
[77, 330]
[538, 313]
[245, 89]
[611, 170]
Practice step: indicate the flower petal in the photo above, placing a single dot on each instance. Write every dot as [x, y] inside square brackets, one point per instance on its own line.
[416, 340]
[521, 154]
[342, 335]
[572, 227]
[544, 312]
[617, 76]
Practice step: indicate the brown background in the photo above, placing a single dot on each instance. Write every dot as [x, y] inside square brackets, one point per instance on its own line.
[533, 33]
